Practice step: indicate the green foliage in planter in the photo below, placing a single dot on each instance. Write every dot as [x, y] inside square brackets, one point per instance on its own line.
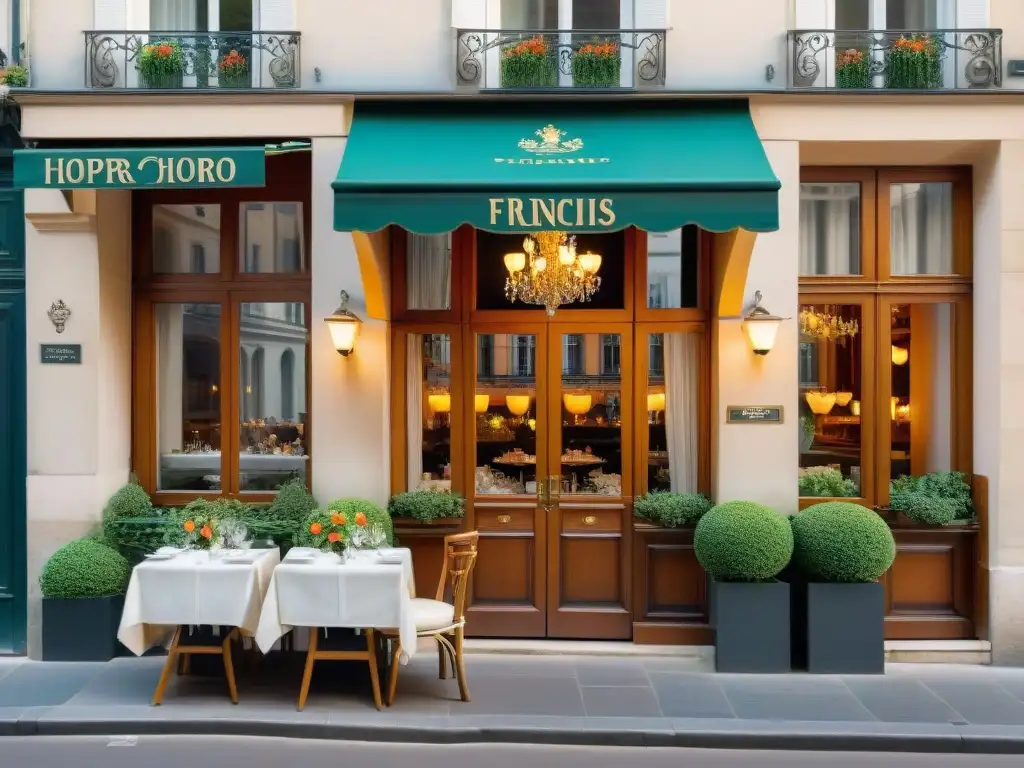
[85, 568]
[293, 502]
[853, 70]
[743, 541]
[130, 523]
[352, 508]
[671, 510]
[914, 62]
[161, 64]
[426, 505]
[529, 64]
[597, 65]
[825, 482]
[937, 498]
[14, 76]
[130, 500]
[842, 542]
[927, 510]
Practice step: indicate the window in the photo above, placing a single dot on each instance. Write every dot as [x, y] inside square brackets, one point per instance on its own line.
[572, 355]
[221, 355]
[429, 411]
[674, 411]
[562, 14]
[885, 336]
[894, 14]
[201, 15]
[429, 271]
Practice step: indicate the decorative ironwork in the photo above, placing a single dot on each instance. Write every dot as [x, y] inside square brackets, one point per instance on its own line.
[271, 59]
[933, 59]
[579, 58]
[59, 314]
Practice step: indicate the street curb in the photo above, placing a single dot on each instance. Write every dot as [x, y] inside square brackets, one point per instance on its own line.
[761, 735]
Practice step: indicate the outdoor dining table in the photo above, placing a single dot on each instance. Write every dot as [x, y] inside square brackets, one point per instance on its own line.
[171, 593]
[371, 590]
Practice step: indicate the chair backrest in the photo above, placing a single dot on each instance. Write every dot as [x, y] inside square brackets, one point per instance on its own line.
[459, 559]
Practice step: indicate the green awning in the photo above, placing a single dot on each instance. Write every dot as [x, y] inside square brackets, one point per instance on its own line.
[583, 166]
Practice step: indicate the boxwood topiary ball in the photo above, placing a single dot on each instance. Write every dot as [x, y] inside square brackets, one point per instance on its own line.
[743, 541]
[842, 542]
[85, 568]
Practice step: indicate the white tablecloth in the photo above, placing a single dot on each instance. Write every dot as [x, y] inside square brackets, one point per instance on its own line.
[194, 588]
[361, 593]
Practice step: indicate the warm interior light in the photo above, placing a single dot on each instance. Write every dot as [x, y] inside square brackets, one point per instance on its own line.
[843, 398]
[480, 403]
[540, 264]
[762, 331]
[893, 402]
[855, 407]
[899, 355]
[821, 403]
[566, 255]
[577, 404]
[656, 401]
[532, 424]
[515, 262]
[591, 262]
[903, 412]
[517, 405]
[440, 403]
[344, 327]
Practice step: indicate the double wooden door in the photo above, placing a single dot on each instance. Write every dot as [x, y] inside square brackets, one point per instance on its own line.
[550, 442]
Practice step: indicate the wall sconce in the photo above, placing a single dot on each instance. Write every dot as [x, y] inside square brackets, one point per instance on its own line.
[344, 327]
[761, 327]
[899, 355]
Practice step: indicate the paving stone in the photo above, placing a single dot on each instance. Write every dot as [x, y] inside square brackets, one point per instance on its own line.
[514, 666]
[618, 701]
[981, 702]
[901, 700]
[788, 697]
[682, 695]
[46, 684]
[523, 696]
[121, 684]
[629, 672]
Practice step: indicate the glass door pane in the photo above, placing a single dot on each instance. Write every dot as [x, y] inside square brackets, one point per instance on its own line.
[429, 403]
[673, 411]
[505, 412]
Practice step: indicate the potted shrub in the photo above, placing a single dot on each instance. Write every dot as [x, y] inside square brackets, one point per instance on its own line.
[743, 546]
[161, 65]
[427, 506]
[914, 62]
[597, 65]
[233, 71]
[529, 64]
[938, 498]
[825, 482]
[671, 510]
[853, 70]
[83, 586]
[130, 523]
[14, 76]
[840, 551]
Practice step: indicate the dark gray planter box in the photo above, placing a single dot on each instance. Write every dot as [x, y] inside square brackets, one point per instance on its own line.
[81, 629]
[751, 623]
[843, 628]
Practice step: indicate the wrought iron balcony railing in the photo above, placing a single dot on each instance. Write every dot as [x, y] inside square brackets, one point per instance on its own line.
[156, 59]
[579, 58]
[921, 60]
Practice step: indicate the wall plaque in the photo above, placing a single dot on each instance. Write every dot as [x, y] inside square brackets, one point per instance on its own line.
[753, 414]
[67, 354]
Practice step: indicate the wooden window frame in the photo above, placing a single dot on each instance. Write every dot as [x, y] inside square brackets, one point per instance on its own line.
[289, 180]
[683, 314]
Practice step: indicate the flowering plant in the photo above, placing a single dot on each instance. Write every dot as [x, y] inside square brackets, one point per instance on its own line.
[852, 69]
[200, 531]
[14, 76]
[528, 64]
[597, 65]
[914, 62]
[161, 64]
[324, 530]
[233, 68]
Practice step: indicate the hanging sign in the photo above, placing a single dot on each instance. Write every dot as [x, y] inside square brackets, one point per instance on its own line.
[140, 168]
[753, 414]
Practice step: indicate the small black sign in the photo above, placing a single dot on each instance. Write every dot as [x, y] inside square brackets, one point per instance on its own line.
[753, 414]
[67, 354]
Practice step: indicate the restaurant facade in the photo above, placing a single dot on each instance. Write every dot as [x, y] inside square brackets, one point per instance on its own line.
[562, 300]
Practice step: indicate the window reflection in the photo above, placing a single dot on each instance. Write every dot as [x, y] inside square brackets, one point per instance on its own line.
[429, 397]
[672, 259]
[428, 277]
[830, 229]
[673, 408]
[921, 228]
[186, 239]
[271, 237]
[505, 408]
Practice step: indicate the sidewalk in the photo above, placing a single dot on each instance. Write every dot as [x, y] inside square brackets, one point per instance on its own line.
[537, 699]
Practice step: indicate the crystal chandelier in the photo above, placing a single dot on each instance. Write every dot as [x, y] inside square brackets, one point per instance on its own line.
[549, 272]
[824, 326]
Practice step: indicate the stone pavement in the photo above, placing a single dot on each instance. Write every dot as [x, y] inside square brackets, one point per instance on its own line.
[536, 699]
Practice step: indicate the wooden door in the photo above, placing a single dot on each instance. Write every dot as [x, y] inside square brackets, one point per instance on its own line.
[589, 480]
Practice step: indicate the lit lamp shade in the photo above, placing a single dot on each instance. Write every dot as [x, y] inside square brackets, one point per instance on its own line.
[656, 401]
[344, 327]
[843, 398]
[821, 403]
[761, 330]
[480, 403]
[855, 407]
[577, 404]
[590, 262]
[515, 262]
[517, 405]
[899, 355]
[440, 403]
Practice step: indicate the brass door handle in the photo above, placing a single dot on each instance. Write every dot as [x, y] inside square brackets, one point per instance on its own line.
[589, 520]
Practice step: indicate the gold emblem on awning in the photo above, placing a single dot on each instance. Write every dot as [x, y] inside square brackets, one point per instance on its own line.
[550, 142]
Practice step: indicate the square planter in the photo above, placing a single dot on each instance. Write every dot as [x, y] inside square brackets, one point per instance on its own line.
[81, 629]
[839, 628]
[751, 623]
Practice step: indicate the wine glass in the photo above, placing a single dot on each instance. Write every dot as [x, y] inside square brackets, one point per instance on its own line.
[376, 536]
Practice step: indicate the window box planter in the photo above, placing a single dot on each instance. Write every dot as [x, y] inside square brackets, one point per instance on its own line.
[529, 63]
[914, 63]
[82, 628]
[839, 628]
[235, 81]
[752, 626]
[597, 65]
[169, 81]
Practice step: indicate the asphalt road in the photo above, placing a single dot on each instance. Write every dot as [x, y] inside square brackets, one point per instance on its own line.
[222, 752]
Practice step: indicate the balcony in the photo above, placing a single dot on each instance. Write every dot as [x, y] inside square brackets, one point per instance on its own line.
[176, 60]
[531, 60]
[906, 60]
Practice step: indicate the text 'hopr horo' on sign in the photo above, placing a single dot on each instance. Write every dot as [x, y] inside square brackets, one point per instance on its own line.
[141, 168]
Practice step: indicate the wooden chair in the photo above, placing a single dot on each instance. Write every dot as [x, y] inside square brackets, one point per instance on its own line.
[445, 622]
[179, 653]
[314, 654]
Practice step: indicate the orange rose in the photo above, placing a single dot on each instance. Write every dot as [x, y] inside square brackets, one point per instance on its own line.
[360, 519]
[338, 519]
[206, 532]
[334, 537]
[315, 529]
[189, 526]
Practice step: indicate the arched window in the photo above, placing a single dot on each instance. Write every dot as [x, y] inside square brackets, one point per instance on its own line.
[288, 385]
